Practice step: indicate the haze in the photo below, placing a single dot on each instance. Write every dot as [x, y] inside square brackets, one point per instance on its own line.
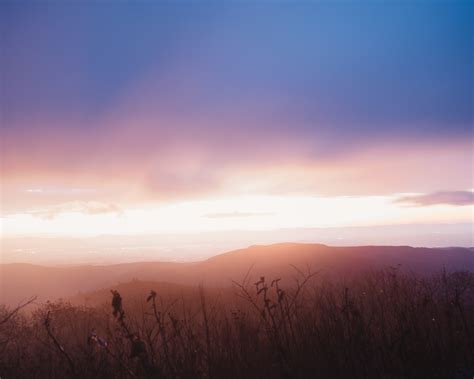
[206, 120]
[236, 189]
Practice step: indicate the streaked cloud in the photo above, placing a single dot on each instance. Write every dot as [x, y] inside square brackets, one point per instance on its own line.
[55, 191]
[458, 198]
[183, 217]
[83, 207]
[238, 214]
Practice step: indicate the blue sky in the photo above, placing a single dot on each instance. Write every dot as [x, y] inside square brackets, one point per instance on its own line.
[364, 68]
[119, 105]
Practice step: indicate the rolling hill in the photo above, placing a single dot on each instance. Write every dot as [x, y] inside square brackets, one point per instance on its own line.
[19, 280]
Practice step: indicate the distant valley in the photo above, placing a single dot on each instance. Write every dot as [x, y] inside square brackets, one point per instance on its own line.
[19, 280]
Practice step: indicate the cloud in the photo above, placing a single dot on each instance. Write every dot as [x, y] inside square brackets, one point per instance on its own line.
[84, 207]
[237, 214]
[447, 198]
[59, 191]
[165, 121]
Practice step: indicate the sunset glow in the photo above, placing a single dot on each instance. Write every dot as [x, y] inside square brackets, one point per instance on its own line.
[246, 118]
[236, 189]
[239, 213]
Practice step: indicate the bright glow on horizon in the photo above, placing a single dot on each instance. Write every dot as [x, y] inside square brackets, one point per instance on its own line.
[327, 120]
[234, 213]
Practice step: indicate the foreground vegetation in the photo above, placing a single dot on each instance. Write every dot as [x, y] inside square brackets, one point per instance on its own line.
[384, 324]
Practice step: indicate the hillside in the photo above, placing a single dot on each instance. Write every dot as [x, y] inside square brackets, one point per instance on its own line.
[19, 281]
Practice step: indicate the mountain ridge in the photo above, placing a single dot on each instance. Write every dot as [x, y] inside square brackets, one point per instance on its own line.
[21, 280]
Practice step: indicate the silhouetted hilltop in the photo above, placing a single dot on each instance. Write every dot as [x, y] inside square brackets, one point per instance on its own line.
[19, 281]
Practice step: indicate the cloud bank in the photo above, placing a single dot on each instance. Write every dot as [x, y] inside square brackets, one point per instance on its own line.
[84, 207]
[457, 198]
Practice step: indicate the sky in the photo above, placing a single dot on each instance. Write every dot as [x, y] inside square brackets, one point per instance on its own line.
[144, 117]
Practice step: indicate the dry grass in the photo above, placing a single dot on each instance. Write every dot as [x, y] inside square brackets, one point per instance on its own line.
[383, 324]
